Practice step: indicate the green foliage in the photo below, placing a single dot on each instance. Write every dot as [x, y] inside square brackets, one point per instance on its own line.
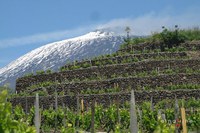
[40, 72]
[191, 34]
[171, 38]
[193, 121]
[106, 118]
[164, 127]
[28, 74]
[194, 103]
[86, 65]
[49, 71]
[167, 39]
[149, 120]
[10, 123]
[42, 84]
[7, 88]
[62, 68]
[183, 86]
[133, 41]
[75, 67]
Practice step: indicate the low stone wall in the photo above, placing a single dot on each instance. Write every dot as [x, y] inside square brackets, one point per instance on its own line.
[104, 99]
[107, 71]
[125, 83]
[45, 102]
[120, 59]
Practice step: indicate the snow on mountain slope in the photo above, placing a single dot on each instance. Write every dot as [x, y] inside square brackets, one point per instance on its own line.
[54, 55]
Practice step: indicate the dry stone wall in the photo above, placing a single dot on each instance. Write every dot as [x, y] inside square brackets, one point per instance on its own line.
[107, 71]
[120, 59]
[125, 83]
[104, 99]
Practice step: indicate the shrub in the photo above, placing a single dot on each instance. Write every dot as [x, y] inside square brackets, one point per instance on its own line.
[191, 34]
[62, 69]
[48, 71]
[28, 75]
[40, 72]
[97, 63]
[168, 38]
[86, 65]
[75, 67]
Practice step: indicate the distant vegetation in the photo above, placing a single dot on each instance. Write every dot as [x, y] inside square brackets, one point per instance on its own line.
[168, 38]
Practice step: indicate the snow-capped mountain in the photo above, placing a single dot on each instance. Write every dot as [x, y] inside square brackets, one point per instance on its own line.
[54, 55]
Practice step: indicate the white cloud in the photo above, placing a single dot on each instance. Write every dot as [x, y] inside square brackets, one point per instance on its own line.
[142, 25]
[145, 25]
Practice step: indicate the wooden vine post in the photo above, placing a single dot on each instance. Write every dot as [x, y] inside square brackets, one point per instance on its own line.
[82, 107]
[183, 116]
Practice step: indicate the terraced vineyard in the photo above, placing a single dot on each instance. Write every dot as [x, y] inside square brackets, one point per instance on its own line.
[150, 71]
[153, 72]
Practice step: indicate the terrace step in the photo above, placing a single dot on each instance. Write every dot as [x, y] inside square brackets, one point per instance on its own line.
[124, 83]
[107, 71]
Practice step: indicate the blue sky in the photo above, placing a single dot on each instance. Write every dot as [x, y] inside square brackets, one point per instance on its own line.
[28, 24]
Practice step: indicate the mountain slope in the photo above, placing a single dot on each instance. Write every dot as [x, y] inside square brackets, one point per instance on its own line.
[54, 55]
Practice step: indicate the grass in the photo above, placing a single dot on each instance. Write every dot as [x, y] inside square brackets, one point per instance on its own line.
[191, 34]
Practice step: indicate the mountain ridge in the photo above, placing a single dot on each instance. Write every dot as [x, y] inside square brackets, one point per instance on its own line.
[54, 55]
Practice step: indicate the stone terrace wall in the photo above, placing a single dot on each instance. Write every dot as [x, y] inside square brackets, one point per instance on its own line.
[106, 71]
[125, 83]
[105, 99]
[119, 59]
[189, 45]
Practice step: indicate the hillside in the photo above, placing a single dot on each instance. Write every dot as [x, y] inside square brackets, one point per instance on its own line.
[54, 55]
[152, 63]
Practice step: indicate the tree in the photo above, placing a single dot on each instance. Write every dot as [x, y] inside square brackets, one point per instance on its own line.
[128, 29]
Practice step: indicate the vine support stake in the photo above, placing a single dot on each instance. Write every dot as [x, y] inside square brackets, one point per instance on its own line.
[183, 116]
[118, 114]
[93, 113]
[26, 107]
[133, 115]
[152, 106]
[82, 106]
[56, 108]
[176, 112]
[78, 108]
[37, 114]
[140, 117]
